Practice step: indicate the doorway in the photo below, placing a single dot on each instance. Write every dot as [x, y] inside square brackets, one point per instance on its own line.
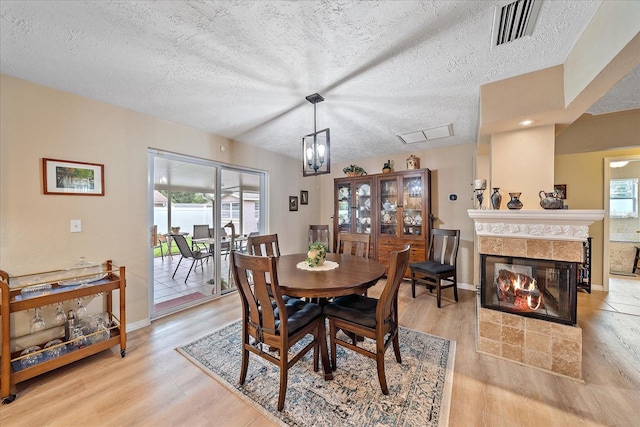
[622, 224]
[209, 206]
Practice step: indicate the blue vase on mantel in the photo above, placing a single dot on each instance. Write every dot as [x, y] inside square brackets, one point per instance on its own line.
[515, 202]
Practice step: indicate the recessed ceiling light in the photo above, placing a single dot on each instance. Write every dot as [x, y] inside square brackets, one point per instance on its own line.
[526, 122]
[620, 164]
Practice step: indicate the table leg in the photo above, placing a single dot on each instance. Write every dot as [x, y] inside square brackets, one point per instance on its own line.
[324, 351]
[169, 241]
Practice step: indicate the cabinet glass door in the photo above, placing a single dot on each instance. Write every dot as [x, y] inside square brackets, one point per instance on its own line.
[363, 208]
[344, 207]
[412, 213]
[389, 206]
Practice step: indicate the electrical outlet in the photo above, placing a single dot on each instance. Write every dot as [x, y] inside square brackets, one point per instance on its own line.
[76, 226]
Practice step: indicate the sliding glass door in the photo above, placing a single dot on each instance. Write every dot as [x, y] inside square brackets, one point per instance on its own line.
[211, 207]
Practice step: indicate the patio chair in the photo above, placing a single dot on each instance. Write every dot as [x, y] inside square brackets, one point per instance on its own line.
[186, 252]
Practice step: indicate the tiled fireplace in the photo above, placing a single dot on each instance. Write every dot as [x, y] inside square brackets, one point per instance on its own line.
[527, 306]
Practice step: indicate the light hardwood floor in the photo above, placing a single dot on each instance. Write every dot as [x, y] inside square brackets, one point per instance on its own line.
[155, 386]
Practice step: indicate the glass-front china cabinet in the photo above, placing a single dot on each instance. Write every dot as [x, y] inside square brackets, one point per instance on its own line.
[353, 207]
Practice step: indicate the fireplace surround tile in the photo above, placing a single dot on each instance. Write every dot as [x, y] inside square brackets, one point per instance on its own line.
[513, 336]
[514, 247]
[537, 325]
[538, 342]
[512, 352]
[489, 346]
[490, 330]
[490, 245]
[565, 350]
[570, 333]
[545, 345]
[568, 251]
[539, 249]
[559, 250]
[538, 359]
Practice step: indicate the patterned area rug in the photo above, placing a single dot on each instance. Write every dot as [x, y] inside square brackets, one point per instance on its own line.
[419, 388]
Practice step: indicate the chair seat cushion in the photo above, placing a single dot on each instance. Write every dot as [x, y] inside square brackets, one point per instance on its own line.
[300, 313]
[354, 308]
[431, 267]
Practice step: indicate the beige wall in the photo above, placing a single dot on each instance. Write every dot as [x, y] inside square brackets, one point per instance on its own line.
[522, 161]
[37, 122]
[601, 132]
[451, 172]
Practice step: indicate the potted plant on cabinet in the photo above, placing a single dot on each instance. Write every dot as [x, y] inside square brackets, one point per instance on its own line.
[354, 170]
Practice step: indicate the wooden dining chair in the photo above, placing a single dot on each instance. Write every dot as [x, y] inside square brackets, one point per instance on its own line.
[440, 264]
[362, 316]
[320, 233]
[274, 322]
[244, 248]
[263, 245]
[353, 243]
[187, 252]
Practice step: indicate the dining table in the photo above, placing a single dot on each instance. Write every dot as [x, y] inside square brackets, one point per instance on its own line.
[351, 275]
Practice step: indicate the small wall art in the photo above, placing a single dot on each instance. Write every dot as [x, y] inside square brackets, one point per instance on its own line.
[304, 197]
[293, 203]
[72, 178]
[561, 190]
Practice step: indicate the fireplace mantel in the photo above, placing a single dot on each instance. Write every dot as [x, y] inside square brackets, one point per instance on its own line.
[558, 224]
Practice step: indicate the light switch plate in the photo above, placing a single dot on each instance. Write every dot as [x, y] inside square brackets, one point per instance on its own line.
[76, 226]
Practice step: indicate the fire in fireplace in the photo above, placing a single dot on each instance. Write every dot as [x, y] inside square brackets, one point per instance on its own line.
[530, 287]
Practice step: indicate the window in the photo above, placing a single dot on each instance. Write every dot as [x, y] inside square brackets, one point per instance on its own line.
[230, 211]
[623, 198]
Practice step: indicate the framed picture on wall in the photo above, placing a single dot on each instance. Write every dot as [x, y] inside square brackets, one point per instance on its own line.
[293, 203]
[304, 197]
[561, 190]
[72, 178]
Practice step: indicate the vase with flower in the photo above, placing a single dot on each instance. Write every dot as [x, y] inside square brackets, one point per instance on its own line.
[317, 254]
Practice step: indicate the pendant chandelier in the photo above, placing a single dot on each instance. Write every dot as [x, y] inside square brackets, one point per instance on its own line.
[315, 146]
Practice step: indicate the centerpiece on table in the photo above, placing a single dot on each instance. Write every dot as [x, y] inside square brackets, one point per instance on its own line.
[317, 254]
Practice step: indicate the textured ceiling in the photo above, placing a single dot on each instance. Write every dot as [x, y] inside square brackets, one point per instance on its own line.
[242, 69]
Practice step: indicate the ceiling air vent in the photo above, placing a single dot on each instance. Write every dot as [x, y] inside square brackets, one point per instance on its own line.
[427, 134]
[515, 20]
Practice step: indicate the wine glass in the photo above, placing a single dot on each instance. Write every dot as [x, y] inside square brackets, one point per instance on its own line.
[37, 324]
[60, 318]
[81, 310]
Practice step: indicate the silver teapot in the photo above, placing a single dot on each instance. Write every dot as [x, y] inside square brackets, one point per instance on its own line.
[550, 200]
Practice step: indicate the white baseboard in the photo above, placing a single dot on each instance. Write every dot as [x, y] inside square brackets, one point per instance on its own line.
[467, 286]
[138, 325]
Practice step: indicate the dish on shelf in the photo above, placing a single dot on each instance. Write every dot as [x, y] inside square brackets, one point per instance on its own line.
[343, 192]
[367, 204]
[364, 190]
